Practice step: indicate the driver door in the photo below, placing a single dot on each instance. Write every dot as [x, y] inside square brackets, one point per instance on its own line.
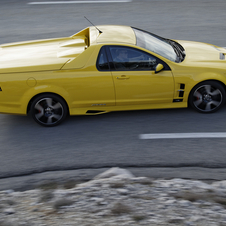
[135, 79]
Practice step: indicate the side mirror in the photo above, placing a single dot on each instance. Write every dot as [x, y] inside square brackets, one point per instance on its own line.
[158, 68]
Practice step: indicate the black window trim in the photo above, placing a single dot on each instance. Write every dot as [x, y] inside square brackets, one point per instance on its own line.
[111, 63]
[97, 62]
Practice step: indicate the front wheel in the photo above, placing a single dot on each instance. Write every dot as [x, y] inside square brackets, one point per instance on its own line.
[207, 97]
[49, 110]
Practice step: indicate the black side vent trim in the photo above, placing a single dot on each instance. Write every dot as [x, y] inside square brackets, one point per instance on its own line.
[181, 93]
[0, 89]
[177, 100]
[95, 112]
[181, 90]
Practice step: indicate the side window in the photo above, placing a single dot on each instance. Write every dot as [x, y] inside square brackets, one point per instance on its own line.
[102, 61]
[127, 59]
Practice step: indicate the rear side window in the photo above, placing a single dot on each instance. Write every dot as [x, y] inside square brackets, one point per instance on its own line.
[102, 61]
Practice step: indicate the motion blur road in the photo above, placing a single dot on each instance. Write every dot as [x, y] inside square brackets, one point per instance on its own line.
[97, 142]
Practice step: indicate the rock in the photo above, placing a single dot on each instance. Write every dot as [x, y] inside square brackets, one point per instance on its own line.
[122, 191]
[219, 184]
[115, 171]
[184, 203]
[170, 202]
[96, 199]
[116, 197]
[197, 218]
[176, 220]
[9, 211]
[10, 191]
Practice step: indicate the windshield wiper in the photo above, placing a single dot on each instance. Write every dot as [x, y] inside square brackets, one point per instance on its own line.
[179, 50]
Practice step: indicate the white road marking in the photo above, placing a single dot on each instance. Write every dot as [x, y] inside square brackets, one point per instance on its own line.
[181, 135]
[78, 2]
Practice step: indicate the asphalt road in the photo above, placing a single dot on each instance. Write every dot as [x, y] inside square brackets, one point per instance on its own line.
[94, 143]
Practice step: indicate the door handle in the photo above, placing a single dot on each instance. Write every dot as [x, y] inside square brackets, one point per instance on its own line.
[123, 77]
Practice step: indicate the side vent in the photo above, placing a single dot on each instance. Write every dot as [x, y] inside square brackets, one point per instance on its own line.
[0, 89]
[181, 90]
[177, 100]
[180, 93]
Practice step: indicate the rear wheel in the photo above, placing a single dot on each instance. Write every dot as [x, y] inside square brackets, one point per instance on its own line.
[49, 110]
[207, 97]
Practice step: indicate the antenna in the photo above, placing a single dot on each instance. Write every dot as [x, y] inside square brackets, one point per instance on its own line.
[94, 26]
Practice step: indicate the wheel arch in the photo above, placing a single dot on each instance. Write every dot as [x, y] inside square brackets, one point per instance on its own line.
[39, 94]
[205, 101]
[208, 80]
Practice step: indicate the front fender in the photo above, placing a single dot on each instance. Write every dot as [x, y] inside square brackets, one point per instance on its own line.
[190, 78]
[207, 76]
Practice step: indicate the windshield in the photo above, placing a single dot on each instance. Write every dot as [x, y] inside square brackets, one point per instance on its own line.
[155, 44]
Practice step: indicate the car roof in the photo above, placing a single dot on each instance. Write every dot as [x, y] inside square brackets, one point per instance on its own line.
[108, 34]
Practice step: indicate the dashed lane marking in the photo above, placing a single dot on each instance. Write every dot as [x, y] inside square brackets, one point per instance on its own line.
[78, 2]
[181, 135]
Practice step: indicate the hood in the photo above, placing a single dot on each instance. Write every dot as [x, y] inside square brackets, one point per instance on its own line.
[50, 54]
[203, 52]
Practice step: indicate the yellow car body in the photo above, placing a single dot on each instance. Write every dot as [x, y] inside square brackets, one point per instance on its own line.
[67, 68]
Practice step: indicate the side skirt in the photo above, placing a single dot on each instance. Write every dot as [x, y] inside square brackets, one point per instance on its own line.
[104, 109]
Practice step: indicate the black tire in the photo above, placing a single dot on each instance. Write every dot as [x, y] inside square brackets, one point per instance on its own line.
[207, 97]
[49, 110]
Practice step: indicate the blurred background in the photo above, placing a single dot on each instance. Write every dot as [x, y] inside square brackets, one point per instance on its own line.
[202, 20]
[97, 142]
